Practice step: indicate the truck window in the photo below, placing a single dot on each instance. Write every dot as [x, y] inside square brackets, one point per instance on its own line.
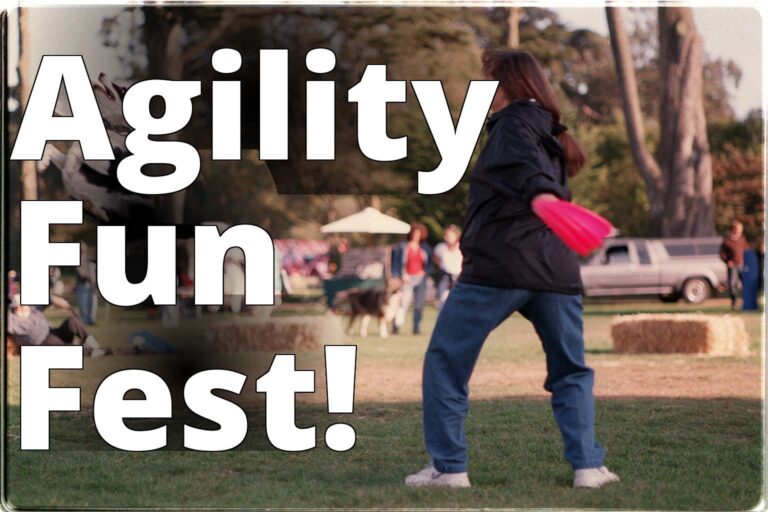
[709, 249]
[680, 249]
[616, 254]
[642, 253]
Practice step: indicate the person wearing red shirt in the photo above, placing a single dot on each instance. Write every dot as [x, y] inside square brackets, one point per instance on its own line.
[411, 261]
[732, 253]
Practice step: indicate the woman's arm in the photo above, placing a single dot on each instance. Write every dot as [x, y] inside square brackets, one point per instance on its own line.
[518, 166]
[546, 196]
[724, 253]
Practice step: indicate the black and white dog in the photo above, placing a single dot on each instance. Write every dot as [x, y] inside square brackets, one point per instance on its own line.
[95, 182]
[382, 303]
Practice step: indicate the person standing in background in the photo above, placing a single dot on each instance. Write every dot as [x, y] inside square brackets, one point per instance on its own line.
[732, 253]
[448, 258]
[12, 285]
[56, 286]
[411, 263]
[54, 281]
[336, 254]
[265, 311]
[280, 283]
[234, 279]
[85, 287]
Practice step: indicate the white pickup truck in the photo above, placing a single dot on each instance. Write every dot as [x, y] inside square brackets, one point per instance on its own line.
[672, 268]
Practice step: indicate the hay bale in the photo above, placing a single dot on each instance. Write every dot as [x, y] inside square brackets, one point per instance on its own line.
[276, 334]
[680, 333]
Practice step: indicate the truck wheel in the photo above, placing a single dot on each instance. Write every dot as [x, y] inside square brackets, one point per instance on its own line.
[670, 297]
[696, 290]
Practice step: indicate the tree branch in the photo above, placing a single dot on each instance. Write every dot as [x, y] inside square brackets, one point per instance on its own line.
[226, 20]
[633, 116]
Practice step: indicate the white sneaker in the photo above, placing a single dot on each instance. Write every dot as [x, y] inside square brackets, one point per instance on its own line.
[430, 477]
[592, 478]
[138, 342]
[91, 342]
[98, 352]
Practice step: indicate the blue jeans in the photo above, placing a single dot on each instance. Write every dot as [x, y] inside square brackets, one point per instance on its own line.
[85, 305]
[470, 313]
[734, 284]
[414, 291]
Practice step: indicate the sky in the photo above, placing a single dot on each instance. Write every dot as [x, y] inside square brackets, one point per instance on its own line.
[729, 33]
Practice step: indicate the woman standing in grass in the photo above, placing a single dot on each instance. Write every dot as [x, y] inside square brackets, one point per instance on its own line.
[411, 260]
[513, 262]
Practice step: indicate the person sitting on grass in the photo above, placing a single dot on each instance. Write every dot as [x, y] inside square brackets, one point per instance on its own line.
[29, 326]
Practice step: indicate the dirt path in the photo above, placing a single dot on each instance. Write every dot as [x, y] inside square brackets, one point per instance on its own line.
[675, 378]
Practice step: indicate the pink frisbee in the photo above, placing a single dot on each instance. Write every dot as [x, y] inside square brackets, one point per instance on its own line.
[582, 230]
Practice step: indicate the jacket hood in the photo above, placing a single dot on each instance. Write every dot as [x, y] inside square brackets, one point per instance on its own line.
[528, 111]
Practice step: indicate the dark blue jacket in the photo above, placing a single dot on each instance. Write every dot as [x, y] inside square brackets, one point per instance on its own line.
[504, 243]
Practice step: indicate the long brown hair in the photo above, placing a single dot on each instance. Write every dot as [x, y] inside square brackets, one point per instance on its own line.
[521, 77]
[421, 229]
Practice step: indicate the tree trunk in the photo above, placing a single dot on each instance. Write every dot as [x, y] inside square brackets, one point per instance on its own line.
[172, 205]
[684, 149]
[167, 56]
[633, 118]
[157, 27]
[28, 170]
[679, 181]
[164, 54]
[513, 23]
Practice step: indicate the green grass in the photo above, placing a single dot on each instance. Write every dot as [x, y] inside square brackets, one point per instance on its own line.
[671, 454]
[678, 454]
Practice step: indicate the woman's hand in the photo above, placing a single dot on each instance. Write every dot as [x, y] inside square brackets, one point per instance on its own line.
[545, 197]
[540, 199]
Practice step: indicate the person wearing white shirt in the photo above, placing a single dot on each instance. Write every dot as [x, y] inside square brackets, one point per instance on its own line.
[448, 258]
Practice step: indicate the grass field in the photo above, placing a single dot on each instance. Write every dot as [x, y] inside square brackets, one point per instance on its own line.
[683, 432]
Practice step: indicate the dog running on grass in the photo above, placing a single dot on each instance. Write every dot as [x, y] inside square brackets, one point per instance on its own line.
[94, 182]
[382, 303]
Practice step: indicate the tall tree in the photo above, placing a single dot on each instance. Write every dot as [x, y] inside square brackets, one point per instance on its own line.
[513, 24]
[679, 182]
[28, 171]
[684, 148]
[167, 55]
[633, 118]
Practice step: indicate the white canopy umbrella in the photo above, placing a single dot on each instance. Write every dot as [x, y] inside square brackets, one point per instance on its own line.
[370, 220]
